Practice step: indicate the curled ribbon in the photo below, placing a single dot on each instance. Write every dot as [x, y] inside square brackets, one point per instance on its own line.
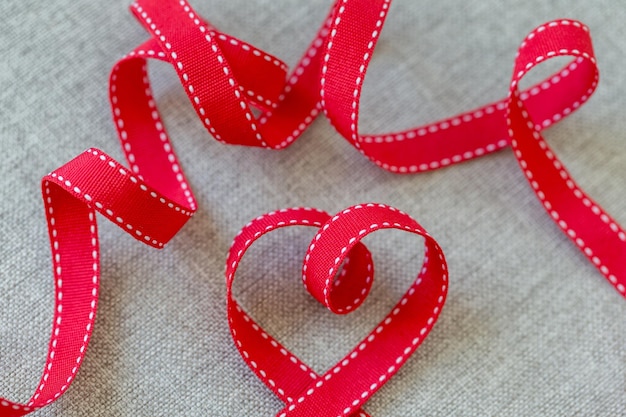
[354, 379]
[597, 235]
[72, 194]
[215, 71]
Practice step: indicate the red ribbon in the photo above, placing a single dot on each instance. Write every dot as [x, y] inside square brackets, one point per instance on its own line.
[214, 70]
[597, 235]
[90, 182]
[224, 77]
[349, 383]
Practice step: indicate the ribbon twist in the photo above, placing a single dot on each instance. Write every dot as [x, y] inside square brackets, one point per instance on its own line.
[72, 194]
[214, 70]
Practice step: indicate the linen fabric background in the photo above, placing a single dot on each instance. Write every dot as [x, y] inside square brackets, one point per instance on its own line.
[529, 327]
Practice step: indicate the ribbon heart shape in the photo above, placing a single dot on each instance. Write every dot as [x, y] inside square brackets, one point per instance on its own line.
[344, 388]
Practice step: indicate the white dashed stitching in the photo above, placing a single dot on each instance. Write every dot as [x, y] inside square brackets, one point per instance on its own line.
[595, 209]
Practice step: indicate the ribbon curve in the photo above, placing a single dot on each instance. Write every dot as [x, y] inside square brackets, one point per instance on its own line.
[72, 194]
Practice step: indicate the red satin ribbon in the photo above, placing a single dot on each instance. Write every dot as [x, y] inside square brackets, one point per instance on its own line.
[224, 77]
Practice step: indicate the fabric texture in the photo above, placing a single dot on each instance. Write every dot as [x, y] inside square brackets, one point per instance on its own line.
[529, 326]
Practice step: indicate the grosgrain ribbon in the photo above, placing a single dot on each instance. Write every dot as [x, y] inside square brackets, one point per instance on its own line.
[72, 194]
[597, 235]
[211, 66]
[355, 378]
[215, 70]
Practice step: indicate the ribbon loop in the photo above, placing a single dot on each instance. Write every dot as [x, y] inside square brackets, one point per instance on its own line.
[353, 278]
[215, 70]
[593, 231]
